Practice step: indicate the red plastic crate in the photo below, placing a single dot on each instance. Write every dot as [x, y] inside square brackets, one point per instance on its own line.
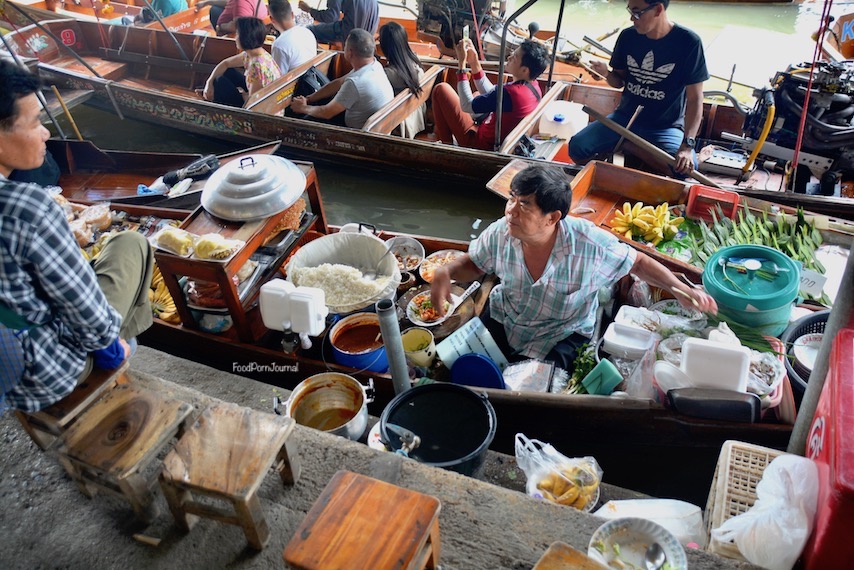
[703, 199]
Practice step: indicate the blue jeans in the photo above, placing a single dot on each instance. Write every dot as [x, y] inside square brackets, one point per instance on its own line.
[596, 138]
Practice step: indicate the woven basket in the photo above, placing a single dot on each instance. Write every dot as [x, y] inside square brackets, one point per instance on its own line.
[739, 470]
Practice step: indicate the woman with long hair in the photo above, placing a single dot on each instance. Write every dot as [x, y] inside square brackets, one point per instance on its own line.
[226, 85]
[404, 71]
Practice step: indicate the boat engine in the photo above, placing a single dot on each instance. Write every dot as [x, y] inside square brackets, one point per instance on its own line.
[447, 18]
[829, 128]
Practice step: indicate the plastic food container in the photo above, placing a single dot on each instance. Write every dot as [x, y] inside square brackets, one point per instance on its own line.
[627, 341]
[711, 364]
[747, 298]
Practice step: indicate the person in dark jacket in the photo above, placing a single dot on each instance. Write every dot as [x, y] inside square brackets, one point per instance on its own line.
[335, 27]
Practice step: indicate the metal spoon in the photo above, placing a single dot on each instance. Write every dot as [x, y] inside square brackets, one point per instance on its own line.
[372, 275]
[654, 557]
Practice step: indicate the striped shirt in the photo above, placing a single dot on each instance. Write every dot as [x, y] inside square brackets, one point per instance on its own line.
[45, 280]
[538, 315]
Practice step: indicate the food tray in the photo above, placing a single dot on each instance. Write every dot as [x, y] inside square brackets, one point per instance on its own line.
[733, 492]
[236, 244]
[155, 243]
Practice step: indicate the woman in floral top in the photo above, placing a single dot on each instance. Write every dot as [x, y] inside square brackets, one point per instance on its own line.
[226, 85]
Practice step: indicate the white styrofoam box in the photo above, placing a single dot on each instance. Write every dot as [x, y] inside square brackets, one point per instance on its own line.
[627, 341]
[712, 364]
[299, 309]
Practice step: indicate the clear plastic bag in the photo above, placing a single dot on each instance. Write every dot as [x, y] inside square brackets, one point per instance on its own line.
[557, 478]
[773, 532]
[639, 382]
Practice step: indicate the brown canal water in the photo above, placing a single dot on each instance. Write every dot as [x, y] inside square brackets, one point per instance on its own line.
[393, 201]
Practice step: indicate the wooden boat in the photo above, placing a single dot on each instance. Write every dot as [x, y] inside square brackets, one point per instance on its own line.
[623, 435]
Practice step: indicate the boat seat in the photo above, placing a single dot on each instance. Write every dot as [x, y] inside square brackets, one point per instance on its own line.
[111, 446]
[110, 70]
[393, 113]
[225, 456]
[274, 98]
[359, 522]
[50, 423]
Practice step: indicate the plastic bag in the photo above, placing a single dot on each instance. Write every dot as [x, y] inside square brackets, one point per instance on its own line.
[773, 532]
[639, 382]
[557, 478]
[670, 349]
[766, 373]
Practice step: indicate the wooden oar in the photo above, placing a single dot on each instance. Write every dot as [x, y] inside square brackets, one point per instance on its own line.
[645, 145]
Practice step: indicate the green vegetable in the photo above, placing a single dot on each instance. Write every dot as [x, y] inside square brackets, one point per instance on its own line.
[583, 364]
[616, 548]
[599, 545]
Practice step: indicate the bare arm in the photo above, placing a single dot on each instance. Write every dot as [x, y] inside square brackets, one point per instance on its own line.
[461, 269]
[693, 118]
[327, 111]
[649, 270]
[221, 67]
[615, 77]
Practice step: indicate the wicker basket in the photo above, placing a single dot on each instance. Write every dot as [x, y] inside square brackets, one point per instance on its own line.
[739, 470]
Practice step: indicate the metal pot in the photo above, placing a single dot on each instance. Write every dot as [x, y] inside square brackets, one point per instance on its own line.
[332, 402]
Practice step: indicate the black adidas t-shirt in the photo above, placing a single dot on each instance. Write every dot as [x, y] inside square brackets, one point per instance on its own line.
[658, 72]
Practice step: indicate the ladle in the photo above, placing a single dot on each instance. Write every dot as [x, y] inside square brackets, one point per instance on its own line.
[655, 557]
[372, 275]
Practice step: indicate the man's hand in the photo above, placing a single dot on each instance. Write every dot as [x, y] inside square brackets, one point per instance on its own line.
[440, 290]
[208, 92]
[461, 54]
[684, 161]
[299, 104]
[304, 6]
[600, 67]
[693, 298]
[126, 347]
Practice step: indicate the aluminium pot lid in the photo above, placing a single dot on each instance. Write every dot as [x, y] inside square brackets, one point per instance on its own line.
[255, 187]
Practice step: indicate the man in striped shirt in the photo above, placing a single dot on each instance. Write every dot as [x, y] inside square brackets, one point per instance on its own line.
[551, 268]
[59, 316]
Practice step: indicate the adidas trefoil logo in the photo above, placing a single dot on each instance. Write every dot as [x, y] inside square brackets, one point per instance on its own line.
[646, 71]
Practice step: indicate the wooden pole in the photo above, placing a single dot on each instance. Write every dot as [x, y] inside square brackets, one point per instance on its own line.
[645, 145]
[67, 112]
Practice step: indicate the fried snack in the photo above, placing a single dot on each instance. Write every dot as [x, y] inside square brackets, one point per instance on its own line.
[83, 232]
[246, 270]
[65, 205]
[214, 246]
[290, 219]
[97, 216]
[175, 240]
[570, 485]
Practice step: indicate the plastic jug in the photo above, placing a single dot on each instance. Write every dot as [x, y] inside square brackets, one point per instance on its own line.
[562, 119]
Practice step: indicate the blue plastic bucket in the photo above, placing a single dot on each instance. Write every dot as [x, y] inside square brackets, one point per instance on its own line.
[354, 343]
[762, 304]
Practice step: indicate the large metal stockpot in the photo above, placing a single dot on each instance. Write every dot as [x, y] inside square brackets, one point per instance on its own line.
[331, 402]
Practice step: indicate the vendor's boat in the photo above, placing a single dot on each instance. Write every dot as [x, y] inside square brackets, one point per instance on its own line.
[623, 434]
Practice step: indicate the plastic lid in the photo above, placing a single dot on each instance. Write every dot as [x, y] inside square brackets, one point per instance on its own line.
[477, 370]
[735, 285]
[559, 118]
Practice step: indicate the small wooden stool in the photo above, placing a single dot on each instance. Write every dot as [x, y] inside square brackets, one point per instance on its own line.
[359, 522]
[115, 440]
[225, 456]
[48, 424]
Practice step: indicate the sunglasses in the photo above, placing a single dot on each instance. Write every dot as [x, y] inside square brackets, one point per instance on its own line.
[636, 14]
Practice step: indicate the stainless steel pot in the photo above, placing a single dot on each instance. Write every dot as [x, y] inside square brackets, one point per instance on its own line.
[331, 402]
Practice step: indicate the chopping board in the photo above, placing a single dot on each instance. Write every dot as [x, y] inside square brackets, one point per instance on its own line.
[561, 556]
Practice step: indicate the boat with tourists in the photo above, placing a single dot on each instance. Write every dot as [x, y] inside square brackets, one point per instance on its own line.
[620, 432]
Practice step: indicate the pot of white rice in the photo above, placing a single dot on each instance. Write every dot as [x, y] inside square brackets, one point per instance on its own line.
[335, 263]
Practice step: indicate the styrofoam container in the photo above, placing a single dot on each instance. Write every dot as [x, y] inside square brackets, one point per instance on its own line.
[627, 341]
[715, 365]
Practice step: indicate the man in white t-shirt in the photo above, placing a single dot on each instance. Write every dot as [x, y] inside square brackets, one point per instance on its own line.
[295, 44]
[359, 94]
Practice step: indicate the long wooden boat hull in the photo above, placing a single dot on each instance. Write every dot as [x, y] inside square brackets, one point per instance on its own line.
[626, 436]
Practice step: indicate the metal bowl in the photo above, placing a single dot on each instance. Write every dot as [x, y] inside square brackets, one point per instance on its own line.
[255, 187]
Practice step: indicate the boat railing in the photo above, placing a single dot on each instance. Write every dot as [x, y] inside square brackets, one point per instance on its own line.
[393, 113]
[511, 141]
[276, 97]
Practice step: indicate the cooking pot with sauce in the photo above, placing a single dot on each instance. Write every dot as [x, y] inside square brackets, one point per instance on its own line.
[332, 402]
[357, 343]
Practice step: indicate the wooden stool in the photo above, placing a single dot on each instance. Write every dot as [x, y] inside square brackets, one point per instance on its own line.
[48, 424]
[225, 456]
[359, 522]
[113, 442]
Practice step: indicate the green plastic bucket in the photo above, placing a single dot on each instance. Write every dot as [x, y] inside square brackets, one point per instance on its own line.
[753, 285]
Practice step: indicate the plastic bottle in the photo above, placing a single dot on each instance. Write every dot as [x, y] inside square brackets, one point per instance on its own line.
[562, 119]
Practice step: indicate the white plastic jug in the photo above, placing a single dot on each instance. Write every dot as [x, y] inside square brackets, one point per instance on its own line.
[562, 119]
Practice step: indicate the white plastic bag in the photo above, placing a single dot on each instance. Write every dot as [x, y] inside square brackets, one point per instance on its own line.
[773, 532]
[557, 478]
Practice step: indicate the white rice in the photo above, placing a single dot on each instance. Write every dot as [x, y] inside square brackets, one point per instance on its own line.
[343, 284]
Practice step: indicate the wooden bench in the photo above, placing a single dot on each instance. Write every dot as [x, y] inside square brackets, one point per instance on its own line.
[225, 456]
[276, 97]
[50, 423]
[393, 113]
[110, 447]
[359, 522]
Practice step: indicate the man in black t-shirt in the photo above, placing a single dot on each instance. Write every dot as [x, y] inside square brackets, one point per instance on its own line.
[661, 67]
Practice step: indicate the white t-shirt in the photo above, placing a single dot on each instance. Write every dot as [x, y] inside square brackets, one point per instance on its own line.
[293, 48]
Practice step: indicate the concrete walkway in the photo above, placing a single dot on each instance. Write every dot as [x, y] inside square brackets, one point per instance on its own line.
[46, 523]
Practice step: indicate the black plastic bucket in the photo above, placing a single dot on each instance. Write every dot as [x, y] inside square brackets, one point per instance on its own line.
[455, 425]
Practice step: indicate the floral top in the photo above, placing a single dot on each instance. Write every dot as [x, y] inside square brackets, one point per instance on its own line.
[261, 69]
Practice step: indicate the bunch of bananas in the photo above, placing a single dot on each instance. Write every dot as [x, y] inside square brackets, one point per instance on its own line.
[653, 224]
[162, 303]
[571, 485]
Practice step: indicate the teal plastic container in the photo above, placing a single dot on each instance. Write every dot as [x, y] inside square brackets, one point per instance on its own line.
[754, 285]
